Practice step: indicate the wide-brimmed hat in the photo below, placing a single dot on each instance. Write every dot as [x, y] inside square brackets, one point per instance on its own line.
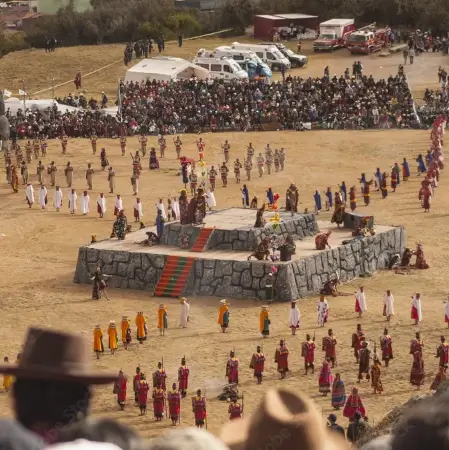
[56, 355]
[282, 417]
[223, 302]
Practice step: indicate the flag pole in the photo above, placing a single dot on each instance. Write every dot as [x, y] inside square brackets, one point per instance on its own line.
[24, 96]
[119, 94]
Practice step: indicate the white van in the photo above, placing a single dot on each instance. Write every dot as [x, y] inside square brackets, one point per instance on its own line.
[220, 68]
[267, 53]
[238, 55]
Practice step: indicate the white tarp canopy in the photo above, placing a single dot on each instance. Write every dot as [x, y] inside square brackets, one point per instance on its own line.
[165, 68]
[14, 104]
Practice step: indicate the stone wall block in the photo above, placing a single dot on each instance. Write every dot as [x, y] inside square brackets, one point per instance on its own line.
[246, 279]
[318, 263]
[236, 278]
[240, 266]
[257, 269]
[121, 256]
[208, 276]
[122, 269]
[158, 261]
[92, 255]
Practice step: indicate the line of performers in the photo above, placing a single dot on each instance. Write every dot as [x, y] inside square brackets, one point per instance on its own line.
[430, 165]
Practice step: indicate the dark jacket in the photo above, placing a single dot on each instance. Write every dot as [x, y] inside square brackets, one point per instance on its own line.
[337, 428]
[356, 430]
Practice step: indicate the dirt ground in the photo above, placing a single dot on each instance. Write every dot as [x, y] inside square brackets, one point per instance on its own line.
[63, 64]
[40, 251]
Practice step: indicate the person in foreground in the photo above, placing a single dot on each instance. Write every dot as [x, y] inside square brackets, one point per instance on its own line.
[52, 389]
[284, 420]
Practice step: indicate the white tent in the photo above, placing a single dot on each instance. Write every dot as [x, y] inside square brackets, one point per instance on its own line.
[14, 104]
[165, 68]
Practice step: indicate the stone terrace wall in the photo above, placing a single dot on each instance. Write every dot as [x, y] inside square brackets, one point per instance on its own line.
[128, 270]
[349, 261]
[246, 279]
[301, 226]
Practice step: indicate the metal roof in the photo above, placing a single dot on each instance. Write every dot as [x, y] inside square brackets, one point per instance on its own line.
[337, 22]
[295, 16]
[268, 16]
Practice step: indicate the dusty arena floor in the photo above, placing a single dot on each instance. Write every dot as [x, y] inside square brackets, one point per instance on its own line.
[40, 249]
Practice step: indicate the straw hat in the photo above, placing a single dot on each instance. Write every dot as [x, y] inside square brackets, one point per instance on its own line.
[264, 308]
[124, 318]
[161, 306]
[182, 299]
[223, 302]
[284, 419]
[112, 323]
[69, 359]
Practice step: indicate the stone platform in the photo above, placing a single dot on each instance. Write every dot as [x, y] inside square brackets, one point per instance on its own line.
[223, 269]
[234, 229]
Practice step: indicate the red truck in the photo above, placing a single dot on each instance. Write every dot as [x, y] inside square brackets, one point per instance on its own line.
[368, 40]
[333, 34]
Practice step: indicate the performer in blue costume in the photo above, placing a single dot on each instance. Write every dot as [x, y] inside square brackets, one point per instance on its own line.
[317, 198]
[343, 191]
[245, 196]
[329, 196]
[160, 223]
[429, 157]
[421, 165]
[405, 170]
[378, 176]
[270, 196]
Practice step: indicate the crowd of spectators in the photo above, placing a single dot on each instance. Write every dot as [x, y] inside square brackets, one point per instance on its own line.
[193, 106]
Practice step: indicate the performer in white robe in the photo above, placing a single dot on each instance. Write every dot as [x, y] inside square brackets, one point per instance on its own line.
[43, 196]
[138, 213]
[388, 304]
[323, 311]
[30, 194]
[85, 199]
[446, 311]
[210, 199]
[101, 205]
[360, 301]
[175, 208]
[73, 197]
[118, 204]
[295, 317]
[160, 206]
[185, 312]
[57, 198]
[416, 312]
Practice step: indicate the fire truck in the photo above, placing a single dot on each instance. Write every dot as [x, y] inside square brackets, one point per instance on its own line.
[367, 40]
